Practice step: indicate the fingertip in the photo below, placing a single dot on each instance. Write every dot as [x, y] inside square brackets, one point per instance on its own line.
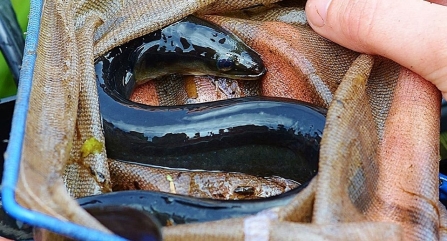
[406, 31]
[339, 21]
[316, 12]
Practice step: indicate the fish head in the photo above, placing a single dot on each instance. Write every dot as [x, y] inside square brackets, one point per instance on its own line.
[245, 64]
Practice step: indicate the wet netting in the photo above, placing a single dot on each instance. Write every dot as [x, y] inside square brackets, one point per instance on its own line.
[379, 153]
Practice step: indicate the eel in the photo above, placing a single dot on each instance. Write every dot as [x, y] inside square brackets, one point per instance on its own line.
[128, 222]
[172, 209]
[261, 136]
[213, 136]
[191, 46]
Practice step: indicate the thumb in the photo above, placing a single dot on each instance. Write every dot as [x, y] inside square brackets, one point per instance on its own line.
[410, 32]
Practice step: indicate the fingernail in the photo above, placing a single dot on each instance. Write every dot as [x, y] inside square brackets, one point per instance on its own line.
[319, 12]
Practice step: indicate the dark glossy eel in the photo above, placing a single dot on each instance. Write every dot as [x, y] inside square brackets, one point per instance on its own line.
[191, 46]
[130, 222]
[257, 135]
[171, 209]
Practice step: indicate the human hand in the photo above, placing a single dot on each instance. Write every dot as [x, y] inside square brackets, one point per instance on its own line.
[410, 32]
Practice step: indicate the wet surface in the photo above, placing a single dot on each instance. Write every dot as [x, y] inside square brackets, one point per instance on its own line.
[172, 209]
[194, 183]
[259, 136]
[127, 222]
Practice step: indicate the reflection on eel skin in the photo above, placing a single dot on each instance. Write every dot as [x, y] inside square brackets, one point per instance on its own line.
[192, 136]
[171, 209]
[191, 46]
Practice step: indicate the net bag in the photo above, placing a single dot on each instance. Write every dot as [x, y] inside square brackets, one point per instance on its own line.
[378, 167]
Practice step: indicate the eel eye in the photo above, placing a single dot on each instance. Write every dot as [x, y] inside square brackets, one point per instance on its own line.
[225, 64]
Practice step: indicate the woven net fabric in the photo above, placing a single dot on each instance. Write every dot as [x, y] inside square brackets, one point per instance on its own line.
[378, 168]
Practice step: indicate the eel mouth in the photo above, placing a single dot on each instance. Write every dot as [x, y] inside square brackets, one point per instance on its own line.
[259, 74]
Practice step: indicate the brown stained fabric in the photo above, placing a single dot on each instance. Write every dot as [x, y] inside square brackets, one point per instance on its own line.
[146, 94]
[323, 72]
[229, 5]
[230, 229]
[300, 208]
[181, 90]
[378, 168]
[139, 17]
[201, 184]
[296, 64]
[207, 91]
[401, 185]
[346, 142]
[169, 90]
[380, 89]
[400, 193]
[51, 125]
[285, 77]
[136, 18]
[224, 88]
[250, 88]
[90, 172]
[346, 231]
[264, 228]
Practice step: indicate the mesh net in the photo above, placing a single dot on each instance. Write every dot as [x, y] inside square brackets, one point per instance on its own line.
[378, 167]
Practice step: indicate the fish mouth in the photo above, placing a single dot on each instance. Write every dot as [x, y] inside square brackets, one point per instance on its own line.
[256, 75]
[260, 74]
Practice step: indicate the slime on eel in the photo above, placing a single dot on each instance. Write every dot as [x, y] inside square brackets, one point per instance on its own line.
[239, 135]
[191, 46]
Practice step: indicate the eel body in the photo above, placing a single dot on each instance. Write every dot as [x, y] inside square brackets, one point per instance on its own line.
[171, 209]
[258, 136]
